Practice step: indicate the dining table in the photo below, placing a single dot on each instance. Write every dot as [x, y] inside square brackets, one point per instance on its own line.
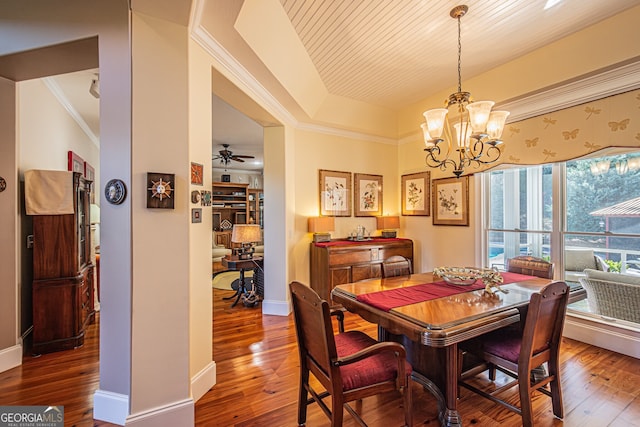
[430, 316]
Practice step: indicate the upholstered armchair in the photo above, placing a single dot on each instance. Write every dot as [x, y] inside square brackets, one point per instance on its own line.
[217, 253]
[576, 261]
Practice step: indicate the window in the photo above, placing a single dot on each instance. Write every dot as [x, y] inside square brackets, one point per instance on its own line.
[520, 214]
[597, 226]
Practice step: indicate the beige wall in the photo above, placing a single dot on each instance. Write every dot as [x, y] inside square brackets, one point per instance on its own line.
[10, 350]
[201, 368]
[48, 132]
[315, 151]
[160, 237]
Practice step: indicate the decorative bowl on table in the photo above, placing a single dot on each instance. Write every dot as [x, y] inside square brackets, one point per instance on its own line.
[466, 276]
[458, 275]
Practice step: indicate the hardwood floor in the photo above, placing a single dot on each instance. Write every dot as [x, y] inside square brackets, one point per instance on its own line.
[257, 366]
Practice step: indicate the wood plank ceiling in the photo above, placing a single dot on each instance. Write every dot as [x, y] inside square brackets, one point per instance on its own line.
[395, 53]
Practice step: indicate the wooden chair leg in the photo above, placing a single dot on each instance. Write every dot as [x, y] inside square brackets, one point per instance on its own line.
[408, 403]
[302, 397]
[337, 411]
[524, 386]
[556, 390]
[492, 372]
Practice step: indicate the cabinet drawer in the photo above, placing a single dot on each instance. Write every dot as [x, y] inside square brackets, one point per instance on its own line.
[361, 272]
[351, 257]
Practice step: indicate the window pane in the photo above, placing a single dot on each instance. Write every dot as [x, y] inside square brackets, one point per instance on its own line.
[507, 244]
[596, 186]
[521, 199]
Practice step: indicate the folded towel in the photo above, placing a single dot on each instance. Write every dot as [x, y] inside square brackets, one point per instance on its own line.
[48, 192]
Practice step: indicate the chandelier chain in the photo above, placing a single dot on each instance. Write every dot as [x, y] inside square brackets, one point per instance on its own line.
[459, 57]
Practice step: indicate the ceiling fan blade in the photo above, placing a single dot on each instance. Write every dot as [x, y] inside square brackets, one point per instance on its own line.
[237, 159]
[242, 157]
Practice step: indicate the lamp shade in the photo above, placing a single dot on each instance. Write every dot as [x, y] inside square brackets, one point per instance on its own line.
[387, 222]
[246, 233]
[321, 224]
[94, 213]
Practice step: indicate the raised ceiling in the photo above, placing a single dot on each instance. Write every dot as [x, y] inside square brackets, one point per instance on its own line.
[395, 53]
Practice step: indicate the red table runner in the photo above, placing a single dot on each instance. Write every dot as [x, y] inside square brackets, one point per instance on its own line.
[392, 298]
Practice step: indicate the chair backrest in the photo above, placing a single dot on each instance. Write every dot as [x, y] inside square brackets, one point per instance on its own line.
[396, 265]
[314, 331]
[531, 266]
[544, 323]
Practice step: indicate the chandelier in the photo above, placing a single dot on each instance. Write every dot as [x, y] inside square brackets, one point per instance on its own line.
[471, 135]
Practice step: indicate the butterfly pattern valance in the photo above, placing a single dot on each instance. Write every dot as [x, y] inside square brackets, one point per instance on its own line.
[574, 132]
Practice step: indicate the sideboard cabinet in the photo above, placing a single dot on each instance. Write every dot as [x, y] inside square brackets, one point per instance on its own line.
[63, 275]
[344, 261]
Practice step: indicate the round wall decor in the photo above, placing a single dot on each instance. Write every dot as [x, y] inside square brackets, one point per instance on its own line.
[3, 184]
[115, 191]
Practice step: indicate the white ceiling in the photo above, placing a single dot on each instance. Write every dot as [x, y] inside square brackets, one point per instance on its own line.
[387, 53]
[395, 53]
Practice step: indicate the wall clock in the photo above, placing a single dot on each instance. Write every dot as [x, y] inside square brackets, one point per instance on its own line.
[160, 190]
[115, 191]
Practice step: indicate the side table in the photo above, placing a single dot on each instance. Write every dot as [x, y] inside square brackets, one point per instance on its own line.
[233, 262]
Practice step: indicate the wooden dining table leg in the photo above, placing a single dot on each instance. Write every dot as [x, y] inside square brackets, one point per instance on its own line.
[451, 417]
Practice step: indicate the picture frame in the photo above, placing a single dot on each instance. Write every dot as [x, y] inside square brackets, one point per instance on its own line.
[451, 201]
[335, 193]
[160, 190]
[75, 163]
[367, 197]
[197, 173]
[196, 215]
[89, 172]
[416, 194]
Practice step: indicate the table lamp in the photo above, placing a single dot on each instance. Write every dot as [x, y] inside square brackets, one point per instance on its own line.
[388, 225]
[320, 227]
[246, 235]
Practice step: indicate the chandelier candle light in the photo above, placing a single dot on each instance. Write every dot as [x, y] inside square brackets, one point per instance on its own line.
[475, 132]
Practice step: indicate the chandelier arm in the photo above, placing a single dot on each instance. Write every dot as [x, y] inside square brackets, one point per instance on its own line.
[470, 142]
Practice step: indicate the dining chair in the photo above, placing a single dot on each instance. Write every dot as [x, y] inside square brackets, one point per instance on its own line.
[516, 353]
[396, 265]
[531, 266]
[349, 366]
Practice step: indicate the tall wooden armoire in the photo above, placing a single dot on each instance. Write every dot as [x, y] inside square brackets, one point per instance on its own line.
[63, 275]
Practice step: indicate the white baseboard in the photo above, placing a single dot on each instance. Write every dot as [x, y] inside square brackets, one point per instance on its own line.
[180, 413]
[114, 408]
[276, 308]
[110, 407]
[610, 336]
[10, 357]
[203, 381]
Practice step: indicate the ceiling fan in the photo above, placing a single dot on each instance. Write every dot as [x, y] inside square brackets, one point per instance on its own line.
[227, 155]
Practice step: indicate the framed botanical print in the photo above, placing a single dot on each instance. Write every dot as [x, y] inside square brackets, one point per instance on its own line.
[367, 197]
[335, 193]
[416, 194]
[451, 201]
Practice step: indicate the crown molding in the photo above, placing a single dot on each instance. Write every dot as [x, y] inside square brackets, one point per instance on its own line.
[612, 81]
[251, 86]
[55, 89]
